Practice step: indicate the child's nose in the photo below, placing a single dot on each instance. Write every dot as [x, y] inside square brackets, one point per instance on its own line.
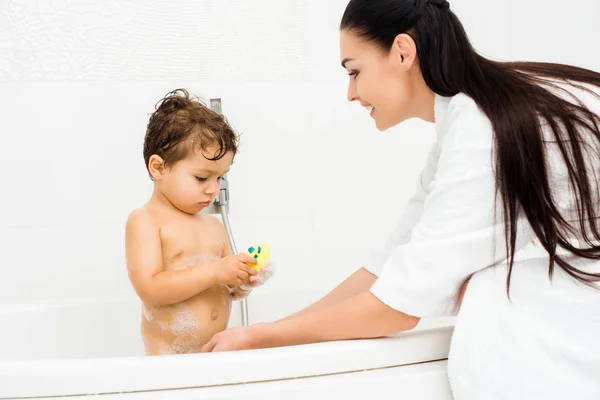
[213, 187]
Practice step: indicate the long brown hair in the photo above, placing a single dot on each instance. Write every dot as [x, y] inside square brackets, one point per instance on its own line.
[518, 99]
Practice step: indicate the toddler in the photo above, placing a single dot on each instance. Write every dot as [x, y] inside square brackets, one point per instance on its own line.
[179, 261]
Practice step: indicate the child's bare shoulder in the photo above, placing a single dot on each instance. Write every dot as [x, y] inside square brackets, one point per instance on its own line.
[141, 219]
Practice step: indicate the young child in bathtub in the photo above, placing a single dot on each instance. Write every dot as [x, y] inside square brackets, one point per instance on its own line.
[179, 261]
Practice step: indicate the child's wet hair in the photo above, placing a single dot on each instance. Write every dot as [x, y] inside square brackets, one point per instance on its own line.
[182, 123]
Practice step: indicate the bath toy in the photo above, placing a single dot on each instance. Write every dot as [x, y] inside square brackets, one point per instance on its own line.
[261, 253]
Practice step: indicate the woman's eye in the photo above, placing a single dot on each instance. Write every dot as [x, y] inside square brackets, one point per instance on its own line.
[353, 74]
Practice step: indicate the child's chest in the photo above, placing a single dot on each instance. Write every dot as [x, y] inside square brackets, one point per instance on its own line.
[186, 243]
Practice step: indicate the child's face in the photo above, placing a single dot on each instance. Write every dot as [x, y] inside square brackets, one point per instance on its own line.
[193, 183]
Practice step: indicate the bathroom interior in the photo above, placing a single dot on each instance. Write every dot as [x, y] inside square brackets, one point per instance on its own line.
[313, 178]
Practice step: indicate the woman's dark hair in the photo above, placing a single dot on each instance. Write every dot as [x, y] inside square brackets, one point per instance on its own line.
[518, 98]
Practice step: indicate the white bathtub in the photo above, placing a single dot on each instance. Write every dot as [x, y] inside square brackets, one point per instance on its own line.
[93, 348]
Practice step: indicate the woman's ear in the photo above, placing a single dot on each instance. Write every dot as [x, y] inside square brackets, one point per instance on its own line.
[156, 166]
[404, 52]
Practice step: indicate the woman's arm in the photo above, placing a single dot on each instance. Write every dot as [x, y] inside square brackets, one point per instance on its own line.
[359, 282]
[358, 317]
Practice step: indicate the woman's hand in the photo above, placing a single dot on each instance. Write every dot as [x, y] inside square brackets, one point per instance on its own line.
[241, 338]
[362, 316]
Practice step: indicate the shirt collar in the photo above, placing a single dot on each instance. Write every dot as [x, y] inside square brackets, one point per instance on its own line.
[440, 112]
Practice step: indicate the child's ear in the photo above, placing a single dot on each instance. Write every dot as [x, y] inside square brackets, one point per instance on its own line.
[156, 166]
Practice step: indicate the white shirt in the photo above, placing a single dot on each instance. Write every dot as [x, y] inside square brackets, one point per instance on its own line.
[543, 344]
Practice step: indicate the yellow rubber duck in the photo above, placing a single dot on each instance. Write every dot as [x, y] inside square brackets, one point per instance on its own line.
[261, 253]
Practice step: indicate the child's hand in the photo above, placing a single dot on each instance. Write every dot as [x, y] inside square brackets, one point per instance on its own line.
[241, 292]
[233, 271]
[260, 278]
[263, 275]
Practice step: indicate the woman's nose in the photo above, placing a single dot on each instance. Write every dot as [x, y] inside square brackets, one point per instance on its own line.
[352, 94]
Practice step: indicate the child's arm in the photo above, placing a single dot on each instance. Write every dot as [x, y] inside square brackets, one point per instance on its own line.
[157, 287]
[241, 291]
[265, 273]
[237, 293]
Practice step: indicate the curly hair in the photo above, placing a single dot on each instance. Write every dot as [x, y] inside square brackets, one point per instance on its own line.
[182, 123]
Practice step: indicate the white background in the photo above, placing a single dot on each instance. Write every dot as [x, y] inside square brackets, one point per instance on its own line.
[314, 178]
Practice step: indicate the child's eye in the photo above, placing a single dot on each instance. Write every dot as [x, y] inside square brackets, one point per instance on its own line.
[201, 179]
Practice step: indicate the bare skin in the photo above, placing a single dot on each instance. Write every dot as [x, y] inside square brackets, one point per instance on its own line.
[390, 85]
[187, 242]
[179, 261]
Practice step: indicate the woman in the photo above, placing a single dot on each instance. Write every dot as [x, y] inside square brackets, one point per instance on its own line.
[517, 158]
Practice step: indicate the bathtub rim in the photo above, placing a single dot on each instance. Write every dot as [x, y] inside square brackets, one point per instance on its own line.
[76, 377]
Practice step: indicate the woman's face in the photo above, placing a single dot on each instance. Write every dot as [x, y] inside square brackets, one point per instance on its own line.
[389, 85]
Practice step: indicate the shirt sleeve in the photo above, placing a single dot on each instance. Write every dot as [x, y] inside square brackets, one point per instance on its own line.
[456, 234]
[409, 218]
